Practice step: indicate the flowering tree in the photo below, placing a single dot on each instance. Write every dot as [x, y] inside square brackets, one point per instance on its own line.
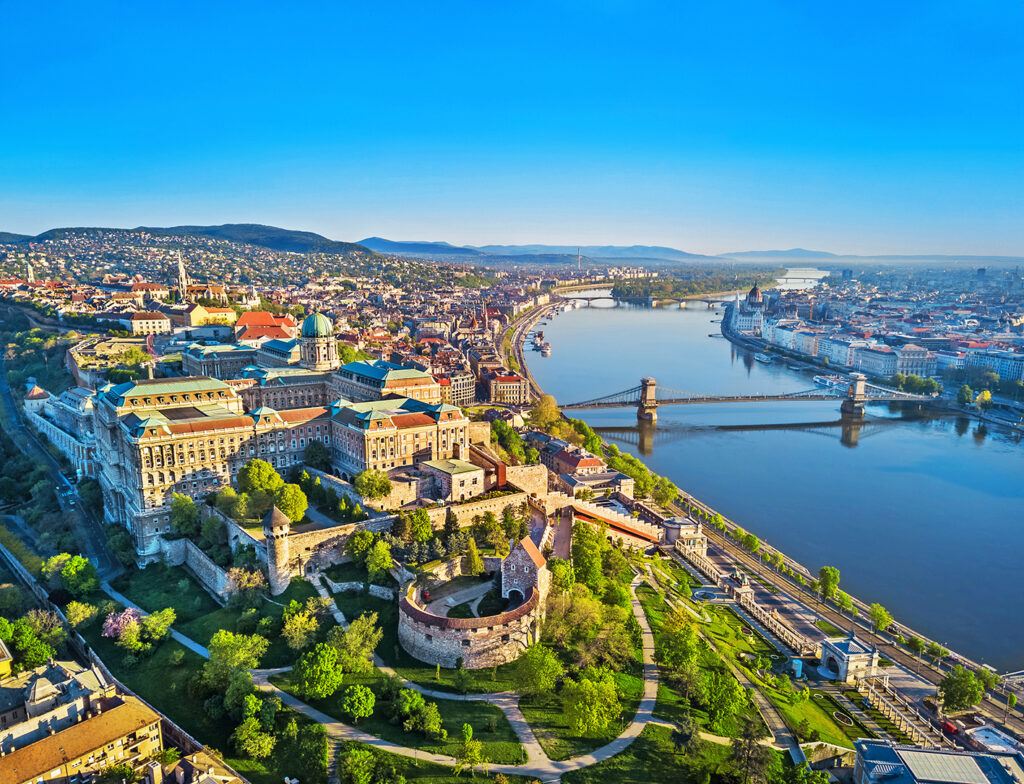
[125, 628]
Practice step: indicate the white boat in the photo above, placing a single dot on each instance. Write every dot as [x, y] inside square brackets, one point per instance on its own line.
[763, 358]
[545, 350]
[829, 381]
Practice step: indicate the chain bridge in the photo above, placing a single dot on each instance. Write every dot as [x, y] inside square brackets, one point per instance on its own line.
[648, 396]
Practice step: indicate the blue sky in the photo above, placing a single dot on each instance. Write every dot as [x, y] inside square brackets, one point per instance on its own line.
[717, 126]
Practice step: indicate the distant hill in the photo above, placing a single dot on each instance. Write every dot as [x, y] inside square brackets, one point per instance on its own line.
[264, 236]
[251, 233]
[414, 248]
[793, 253]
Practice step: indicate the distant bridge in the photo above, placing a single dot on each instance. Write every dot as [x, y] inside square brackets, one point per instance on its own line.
[648, 396]
[651, 301]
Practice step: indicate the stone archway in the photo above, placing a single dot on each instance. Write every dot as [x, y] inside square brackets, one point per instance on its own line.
[831, 664]
[515, 597]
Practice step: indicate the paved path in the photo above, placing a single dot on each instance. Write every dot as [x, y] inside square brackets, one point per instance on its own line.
[189, 643]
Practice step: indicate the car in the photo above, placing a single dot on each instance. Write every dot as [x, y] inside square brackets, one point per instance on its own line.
[426, 596]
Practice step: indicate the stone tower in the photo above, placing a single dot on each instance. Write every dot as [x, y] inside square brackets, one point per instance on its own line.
[276, 527]
[318, 349]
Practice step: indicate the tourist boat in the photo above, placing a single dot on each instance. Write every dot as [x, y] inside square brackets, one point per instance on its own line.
[829, 381]
[763, 358]
[545, 350]
[795, 367]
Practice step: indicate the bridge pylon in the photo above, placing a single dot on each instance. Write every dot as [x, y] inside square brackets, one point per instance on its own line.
[647, 409]
[856, 395]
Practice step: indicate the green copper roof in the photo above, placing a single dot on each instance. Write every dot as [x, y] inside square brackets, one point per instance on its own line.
[317, 325]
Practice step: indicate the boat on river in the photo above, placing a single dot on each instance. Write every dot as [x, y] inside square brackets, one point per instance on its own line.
[545, 350]
[765, 358]
[830, 381]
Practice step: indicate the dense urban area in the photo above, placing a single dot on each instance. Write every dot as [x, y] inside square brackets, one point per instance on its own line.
[300, 512]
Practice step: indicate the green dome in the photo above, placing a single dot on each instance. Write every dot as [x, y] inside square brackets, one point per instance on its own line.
[317, 325]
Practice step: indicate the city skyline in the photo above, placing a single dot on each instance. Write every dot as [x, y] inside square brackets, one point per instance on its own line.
[892, 130]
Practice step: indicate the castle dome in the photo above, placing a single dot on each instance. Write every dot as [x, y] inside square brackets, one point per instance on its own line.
[317, 325]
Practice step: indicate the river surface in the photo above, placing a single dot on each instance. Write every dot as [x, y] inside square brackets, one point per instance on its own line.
[924, 515]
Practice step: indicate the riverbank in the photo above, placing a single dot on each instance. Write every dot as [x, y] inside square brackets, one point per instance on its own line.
[808, 494]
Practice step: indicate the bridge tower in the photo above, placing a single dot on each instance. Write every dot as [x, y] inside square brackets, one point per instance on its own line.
[856, 395]
[647, 410]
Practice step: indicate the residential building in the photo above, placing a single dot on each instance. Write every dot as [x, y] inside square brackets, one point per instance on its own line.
[507, 388]
[149, 323]
[1008, 364]
[877, 361]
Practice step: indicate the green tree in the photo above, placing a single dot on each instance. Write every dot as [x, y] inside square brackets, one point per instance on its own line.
[250, 739]
[537, 671]
[965, 396]
[471, 755]
[358, 702]
[157, 625]
[881, 619]
[299, 629]
[936, 651]
[230, 652]
[749, 756]
[226, 500]
[291, 501]
[664, 492]
[357, 765]
[1011, 703]
[373, 484]
[358, 545]
[116, 774]
[79, 613]
[916, 646]
[356, 643]
[725, 698]
[587, 548]
[591, 703]
[844, 601]
[240, 686]
[258, 475]
[474, 563]
[960, 690]
[420, 526]
[828, 582]
[545, 413]
[562, 575]
[378, 560]
[316, 455]
[318, 674]
[184, 515]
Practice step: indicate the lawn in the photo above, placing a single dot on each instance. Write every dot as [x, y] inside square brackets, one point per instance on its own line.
[278, 654]
[165, 686]
[354, 605]
[726, 628]
[353, 572]
[830, 629]
[652, 759]
[159, 586]
[549, 724]
[490, 726]
[880, 718]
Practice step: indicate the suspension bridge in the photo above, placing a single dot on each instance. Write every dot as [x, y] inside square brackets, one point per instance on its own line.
[648, 396]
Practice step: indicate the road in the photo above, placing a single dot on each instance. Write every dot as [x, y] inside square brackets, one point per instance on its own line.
[88, 530]
[992, 708]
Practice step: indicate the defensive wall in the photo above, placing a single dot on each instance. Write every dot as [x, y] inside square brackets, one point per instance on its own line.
[184, 552]
[478, 642]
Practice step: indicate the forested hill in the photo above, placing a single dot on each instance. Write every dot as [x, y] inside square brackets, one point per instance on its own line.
[697, 280]
[264, 236]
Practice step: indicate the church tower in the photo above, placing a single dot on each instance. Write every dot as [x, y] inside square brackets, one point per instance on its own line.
[317, 348]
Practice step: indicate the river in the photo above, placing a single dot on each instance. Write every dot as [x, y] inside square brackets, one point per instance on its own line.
[924, 515]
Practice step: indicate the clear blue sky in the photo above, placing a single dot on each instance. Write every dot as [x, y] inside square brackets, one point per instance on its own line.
[713, 126]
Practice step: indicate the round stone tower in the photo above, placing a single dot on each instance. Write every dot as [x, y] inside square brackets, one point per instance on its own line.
[276, 527]
[317, 347]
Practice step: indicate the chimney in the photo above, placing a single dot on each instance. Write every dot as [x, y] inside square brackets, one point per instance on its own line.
[155, 773]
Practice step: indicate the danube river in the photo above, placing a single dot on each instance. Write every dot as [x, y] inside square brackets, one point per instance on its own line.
[925, 516]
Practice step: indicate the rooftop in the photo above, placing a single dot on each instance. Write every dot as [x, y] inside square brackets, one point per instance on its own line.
[452, 467]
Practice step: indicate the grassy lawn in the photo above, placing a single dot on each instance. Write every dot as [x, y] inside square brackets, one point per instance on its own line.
[353, 572]
[552, 729]
[159, 586]
[886, 724]
[726, 627]
[354, 605]
[488, 721]
[278, 654]
[164, 686]
[650, 759]
[830, 629]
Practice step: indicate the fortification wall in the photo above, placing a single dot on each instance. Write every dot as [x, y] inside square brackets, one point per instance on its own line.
[478, 642]
[464, 513]
[533, 479]
[183, 552]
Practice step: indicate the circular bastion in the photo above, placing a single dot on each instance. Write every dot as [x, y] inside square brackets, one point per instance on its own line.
[480, 642]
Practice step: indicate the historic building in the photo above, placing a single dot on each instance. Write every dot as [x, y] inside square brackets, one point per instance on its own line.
[848, 659]
[318, 349]
[376, 379]
[222, 360]
[748, 314]
[488, 641]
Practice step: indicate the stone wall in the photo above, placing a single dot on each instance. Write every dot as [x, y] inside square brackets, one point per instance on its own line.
[479, 432]
[464, 513]
[374, 590]
[533, 479]
[183, 552]
[478, 642]
[452, 568]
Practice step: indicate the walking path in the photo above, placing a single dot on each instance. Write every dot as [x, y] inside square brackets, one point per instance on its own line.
[189, 643]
